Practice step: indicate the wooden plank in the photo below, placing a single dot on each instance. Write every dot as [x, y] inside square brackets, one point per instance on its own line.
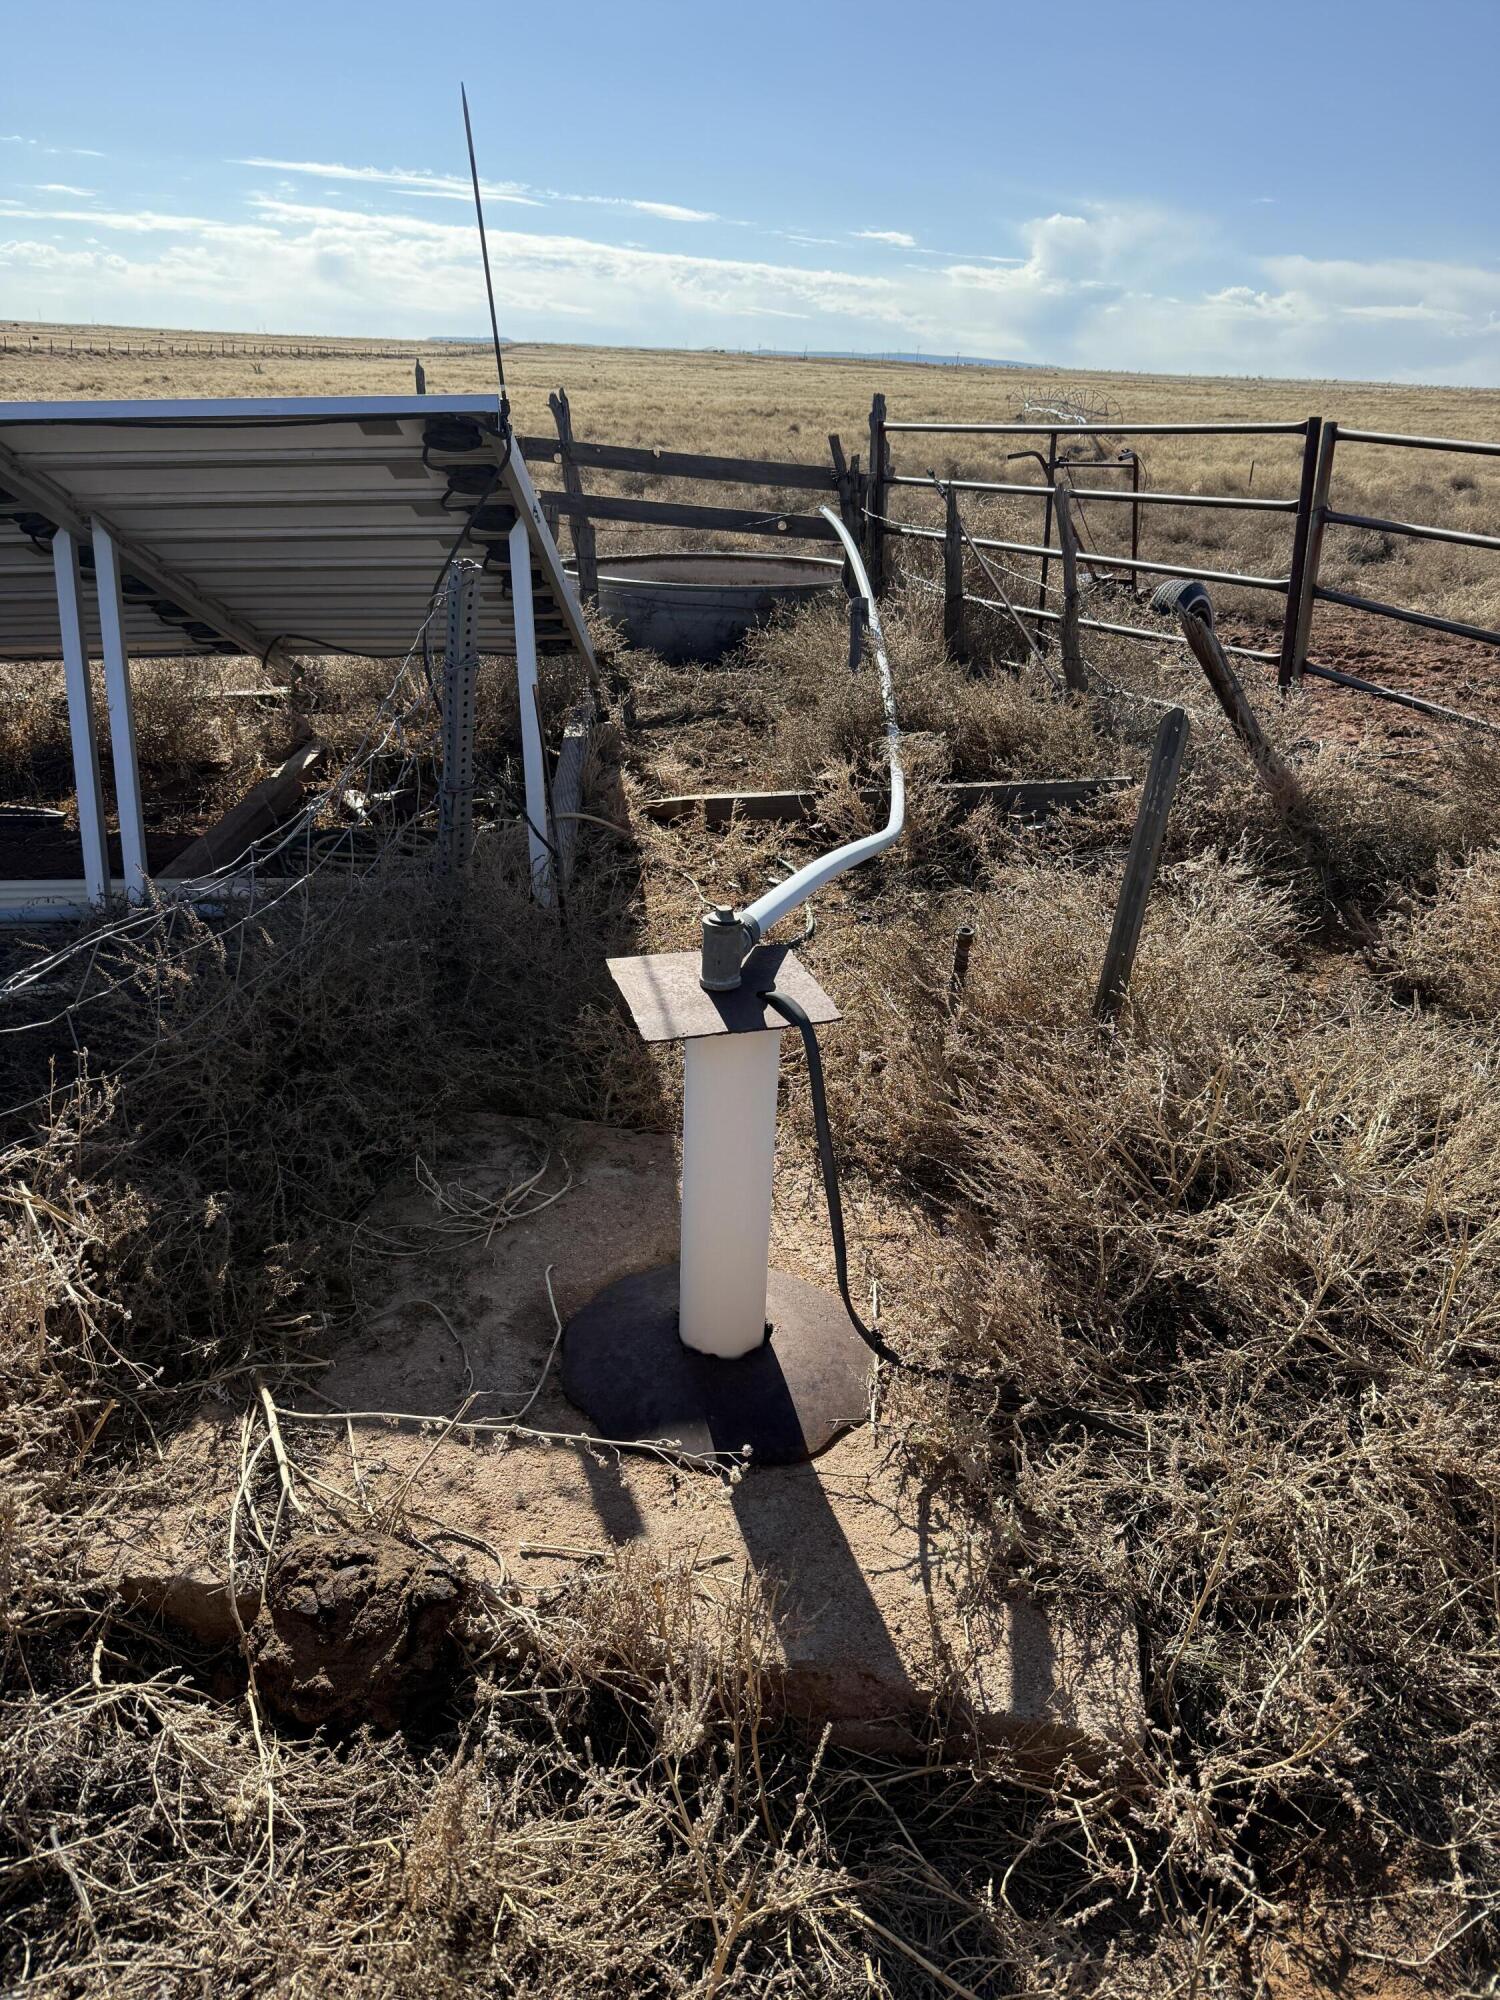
[583, 533]
[1271, 768]
[260, 812]
[1072, 649]
[662, 464]
[1141, 863]
[567, 784]
[672, 514]
[877, 489]
[1020, 797]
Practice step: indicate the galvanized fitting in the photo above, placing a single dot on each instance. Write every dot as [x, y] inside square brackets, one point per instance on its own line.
[726, 940]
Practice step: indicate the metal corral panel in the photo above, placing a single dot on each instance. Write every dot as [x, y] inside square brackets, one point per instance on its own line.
[323, 523]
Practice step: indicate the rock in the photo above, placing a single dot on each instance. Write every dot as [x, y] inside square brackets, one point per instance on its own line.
[355, 1630]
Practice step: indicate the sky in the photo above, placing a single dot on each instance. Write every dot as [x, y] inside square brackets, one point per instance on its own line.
[1287, 188]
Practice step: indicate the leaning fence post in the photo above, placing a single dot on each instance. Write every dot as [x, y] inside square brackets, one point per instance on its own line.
[1272, 769]
[1290, 667]
[876, 501]
[583, 528]
[1300, 610]
[460, 703]
[1141, 863]
[1072, 651]
[953, 580]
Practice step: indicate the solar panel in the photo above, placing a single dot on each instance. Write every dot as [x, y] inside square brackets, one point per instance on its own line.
[323, 523]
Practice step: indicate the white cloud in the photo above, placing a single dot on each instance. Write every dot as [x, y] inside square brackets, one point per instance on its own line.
[897, 236]
[446, 187]
[62, 187]
[78, 152]
[665, 211]
[1129, 287]
[453, 187]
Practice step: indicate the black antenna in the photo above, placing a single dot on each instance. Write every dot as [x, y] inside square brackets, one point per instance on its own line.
[484, 251]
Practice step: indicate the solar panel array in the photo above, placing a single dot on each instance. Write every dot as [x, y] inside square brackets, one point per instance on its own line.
[325, 524]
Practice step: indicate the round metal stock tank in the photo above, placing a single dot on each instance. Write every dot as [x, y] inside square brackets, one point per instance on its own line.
[690, 606]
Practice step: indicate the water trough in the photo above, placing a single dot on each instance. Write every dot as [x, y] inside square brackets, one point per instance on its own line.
[689, 604]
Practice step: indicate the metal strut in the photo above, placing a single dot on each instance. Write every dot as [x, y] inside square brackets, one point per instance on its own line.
[460, 704]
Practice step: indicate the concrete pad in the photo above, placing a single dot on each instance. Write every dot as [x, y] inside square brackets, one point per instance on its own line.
[879, 1619]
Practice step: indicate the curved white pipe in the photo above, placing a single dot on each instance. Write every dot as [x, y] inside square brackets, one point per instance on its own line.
[758, 917]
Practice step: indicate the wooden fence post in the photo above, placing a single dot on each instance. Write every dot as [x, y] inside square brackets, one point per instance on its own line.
[583, 529]
[1141, 863]
[1312, 511]
[1041, 599]
[1271, 768]
[953, 580]
[843, 479]
[1072, 651]
[876, 502]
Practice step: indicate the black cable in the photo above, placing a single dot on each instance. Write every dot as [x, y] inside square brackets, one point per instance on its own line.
[791, 1011]
[1009, 1397]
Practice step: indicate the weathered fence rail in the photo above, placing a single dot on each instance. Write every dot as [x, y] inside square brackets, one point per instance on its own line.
[581, 508]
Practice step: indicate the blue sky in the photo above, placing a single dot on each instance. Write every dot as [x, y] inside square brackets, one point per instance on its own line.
[1270, 188]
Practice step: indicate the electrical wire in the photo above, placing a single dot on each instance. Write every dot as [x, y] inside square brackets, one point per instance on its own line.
[1007, 1395]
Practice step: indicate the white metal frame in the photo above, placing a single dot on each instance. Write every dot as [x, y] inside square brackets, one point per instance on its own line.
[92, 827]
[532, 758]
[25, 471]
[121, 713]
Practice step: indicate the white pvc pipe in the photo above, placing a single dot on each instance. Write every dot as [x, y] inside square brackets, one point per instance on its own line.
[789, 895]
[87, 788]
[728, 1155]
[532, 760]
[121, 714]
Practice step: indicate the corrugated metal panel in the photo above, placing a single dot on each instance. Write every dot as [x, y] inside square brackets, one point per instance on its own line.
[324, 523]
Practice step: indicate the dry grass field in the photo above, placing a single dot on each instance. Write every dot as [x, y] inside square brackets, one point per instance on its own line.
[1220, 1289]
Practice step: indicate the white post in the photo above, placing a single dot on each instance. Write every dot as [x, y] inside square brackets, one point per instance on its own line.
[531, 726]
[121, 713]
[90, 793]
[728, 1155]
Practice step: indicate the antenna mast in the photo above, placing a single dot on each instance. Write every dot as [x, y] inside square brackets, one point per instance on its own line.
[484, 251]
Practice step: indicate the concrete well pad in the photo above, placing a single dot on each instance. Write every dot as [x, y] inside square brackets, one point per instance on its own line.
[877, 1616]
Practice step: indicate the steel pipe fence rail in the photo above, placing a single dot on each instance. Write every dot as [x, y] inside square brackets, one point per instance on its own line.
[1140, 633]
[1473, 446]
[1427, 619]
[1244, 502]
[1288, 428]
[1413, 529]
[1312, 512]
[904, 532]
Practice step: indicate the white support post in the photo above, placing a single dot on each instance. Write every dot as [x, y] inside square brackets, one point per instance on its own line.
[728, 1157]
[90, 793]
[121, 713]
[542, 885]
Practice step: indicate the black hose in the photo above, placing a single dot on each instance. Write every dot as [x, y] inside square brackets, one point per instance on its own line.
[791, 1011]
[1007, 1396]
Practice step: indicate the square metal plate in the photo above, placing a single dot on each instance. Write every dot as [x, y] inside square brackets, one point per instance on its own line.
[668, 1005]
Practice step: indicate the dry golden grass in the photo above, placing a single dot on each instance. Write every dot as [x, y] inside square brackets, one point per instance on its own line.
[1230, 1272]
